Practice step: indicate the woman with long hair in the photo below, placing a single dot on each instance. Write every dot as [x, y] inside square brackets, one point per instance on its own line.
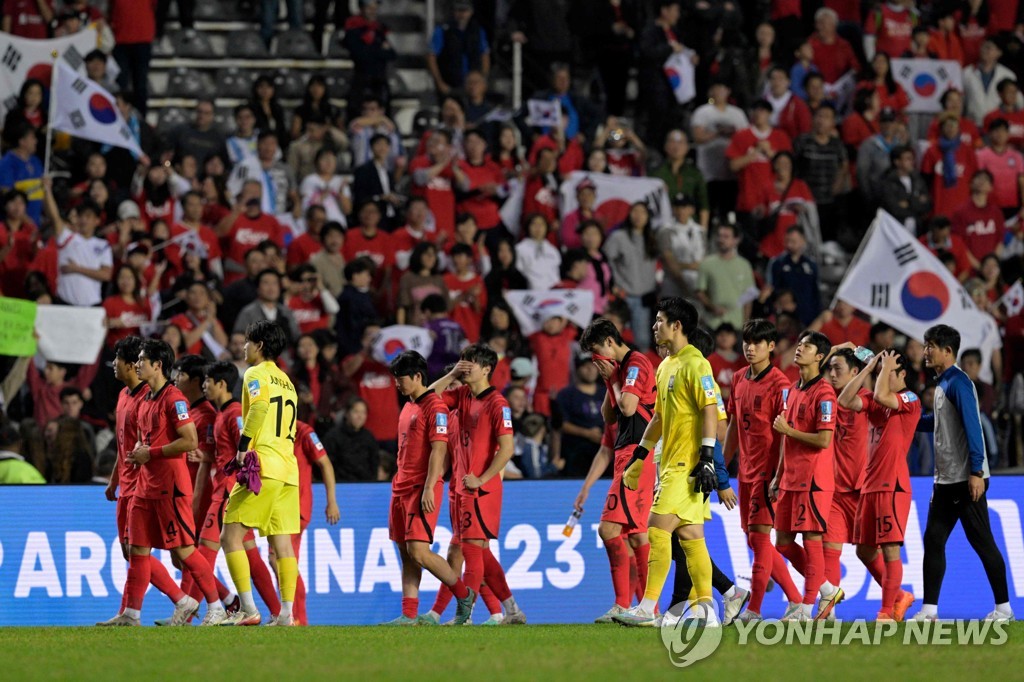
[216, 205]
[422, 279]
[508, 154]
[69, 454]
[878, 76]
[128, 308]
[30, 109]
[504, 274]
[500, 318]
[269, 112]
[315, 102]
[599, 273]
[632, 253]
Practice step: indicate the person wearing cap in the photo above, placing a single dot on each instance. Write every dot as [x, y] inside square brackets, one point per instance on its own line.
[458, 47]
[946, 164]
[873, 155]
[1010, 110]
[981, 82]
[682, 244]
[680, 174]
[904, 193]
[586, 209]
[750, 152]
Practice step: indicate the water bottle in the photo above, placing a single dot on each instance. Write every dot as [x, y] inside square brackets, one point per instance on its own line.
[574, 519]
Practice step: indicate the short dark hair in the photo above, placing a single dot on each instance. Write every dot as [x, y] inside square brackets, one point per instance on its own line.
[1005, 83]
[270, 335]
[972, 353]
[409, 363]
[480, 354]
[851, 359]
[879, 328]
[96, 56]
[475, 132]
[598, 331]
[939, 222]
[461, 249]
[192, 365]
[127, 349]
[676, 309]
[434, 303]
[331, 226]
[702, 340]
[818, 340]
[359, 265]
[898, 151]
[158, 350]
[999, 122]
[943, 336]
[266, 134]
[70, 391]
[758, 330]
[223, 371]
[267, 271]
[378, 137]
[903, 362]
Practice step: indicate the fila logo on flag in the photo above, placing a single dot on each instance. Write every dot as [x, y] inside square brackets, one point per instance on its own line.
[441, 422]
[826, 411]
[181, 407]
[632, 375]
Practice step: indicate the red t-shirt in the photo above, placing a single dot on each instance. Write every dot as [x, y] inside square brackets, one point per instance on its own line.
[887, 466]
[948, 199]
[851, 446]
[635, 376]
[483, 208]
[758, 173]
[981, 229]
[131, 315]
[302, 248]
[127, 425]
[772, 201]
[439, 194]
[247, 233]
[501, 377]
[15, 267]
[724, 371]
[795, 118]
[379, 248]
[1006, 169]
[161, 414]
[204, 415]
[484, 418]
[969, 133]
[422, 422]
[308, 449]
[133, 21]
[463, 313]
[538, 197]
[754, 404]
[554, 355]
[376, 386]
[833, 60]
[857, 331]
[309, 314]
[892, 29]
[207, 236]
[187, 322]
[227, 428]
[26, 20]
[809, 408]
[848, 10]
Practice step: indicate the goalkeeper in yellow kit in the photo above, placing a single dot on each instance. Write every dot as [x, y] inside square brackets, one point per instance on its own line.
[686, 420]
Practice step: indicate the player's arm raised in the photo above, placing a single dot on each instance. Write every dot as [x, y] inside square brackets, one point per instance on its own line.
[460, 368]
[883, 394]
[848, 398]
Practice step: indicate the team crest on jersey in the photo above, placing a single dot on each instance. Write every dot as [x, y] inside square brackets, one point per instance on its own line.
[181, 407]
[826, 411]
[631, 376]
[254, 388]
[316, 442]
[708, 384]
[908, 397]
[441, 423]
[506, 417]
[240, 422]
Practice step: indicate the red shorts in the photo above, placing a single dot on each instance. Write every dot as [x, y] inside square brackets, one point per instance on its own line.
[480, 515]
[122, 518]
[408, 522]
[630, 508]
[756, 508]
[161, 524]
[882, 518]
[842, 518]
[799, 511]
[213, 520]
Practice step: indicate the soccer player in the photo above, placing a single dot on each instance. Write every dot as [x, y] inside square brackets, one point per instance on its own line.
[161, 510]
[805, 475]
[629, 403]
[686, 419]
[961, 477]
[487, 422]
[269, 405]
[309, 451]
[125, 474]
[417, 488]
[755, 400]
[884, 503]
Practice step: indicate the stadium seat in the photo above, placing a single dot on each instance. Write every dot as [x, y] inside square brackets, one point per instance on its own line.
[191, 44]
[234, 82]
[424, 120]
[289, 84]
[247, 45]
[335, 49]
[189, 83]
[337, 84]
[295, 44]
[171, 118]
[403, 23]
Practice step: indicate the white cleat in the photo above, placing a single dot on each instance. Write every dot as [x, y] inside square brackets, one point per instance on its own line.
[734, 605]
[795, 613]
[240, 617]
[998, 616]
[921, 617]
[610, 614]
[637, 617]
[214, 617]
[748, 616]
[183, 611]
[281, 621]
[120, 619]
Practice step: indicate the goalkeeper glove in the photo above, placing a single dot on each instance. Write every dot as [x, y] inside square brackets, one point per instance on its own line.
[705, 480]
[631, 476]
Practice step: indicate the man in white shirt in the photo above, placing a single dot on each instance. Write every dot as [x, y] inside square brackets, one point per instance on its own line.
[682, 244]
[981, 81]
[84, 261]
[242, 145]
[713, 125]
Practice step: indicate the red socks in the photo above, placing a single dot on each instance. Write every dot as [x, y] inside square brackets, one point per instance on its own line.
[211, 558]
[444, 597]
[490, 600]
[494, 576]
[299, 605]
[833, 569]
[642, 554]
[162, 580]
[474, 572]
[634, 578]
[458, 590]
[199, 567]
[780, 573]
[814, 576]
[796, 555]
[263, 582]
[876, 567]
[619, 559]
[892, 583]
[410, 607]
[138, 580]
[761, 543]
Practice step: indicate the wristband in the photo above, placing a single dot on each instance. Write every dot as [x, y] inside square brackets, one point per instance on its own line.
[156, 451]
[708, 442]
[648, 444]
[243, 443]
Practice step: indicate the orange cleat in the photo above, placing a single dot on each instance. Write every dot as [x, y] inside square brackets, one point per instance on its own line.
[903, 602]
[884, 617]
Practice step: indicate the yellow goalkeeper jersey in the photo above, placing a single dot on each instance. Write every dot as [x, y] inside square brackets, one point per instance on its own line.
[269, 410]
[685, 387]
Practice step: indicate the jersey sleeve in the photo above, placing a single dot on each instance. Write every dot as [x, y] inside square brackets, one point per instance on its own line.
[501, 414]
[907, 402]
[312, 448]
[257, 385]
[722, 414]
[825, 412]
[437, 422]
[702, 385]
[176, 413]
[637, 375]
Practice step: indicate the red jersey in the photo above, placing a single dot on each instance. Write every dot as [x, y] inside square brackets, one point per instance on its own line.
[724, 371]
[754, 404]
[948, 199]
[1006, 169]
[794, 119]
[206, 236]
[379, 248]
[851, 446]
[554, 357]
[541, 196]
[26, 19]
[892, 28]
[186, 322]
[635, 376]
[247, 233]
[161, 414]
[310, 315]
[463, 312]
[423, 421]
[857, 331]
[204, 415]
[981, 229]
[127, 425]
[458, 451]
[485, 418]
[956, 246]
[438, 192]
[969, 133]
[376, 386]
[302, 248]
[834, 60]
[809, 408]
[308, 450]
[759, 172]
[227, 428]
[482, 207]
[887, 466]
[131, 316]
[609, 436]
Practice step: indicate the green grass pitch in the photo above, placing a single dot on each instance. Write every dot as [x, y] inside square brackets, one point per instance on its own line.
[545, 652]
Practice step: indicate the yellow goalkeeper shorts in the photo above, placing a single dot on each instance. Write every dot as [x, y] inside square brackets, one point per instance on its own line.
[675, 496]
[275, 511]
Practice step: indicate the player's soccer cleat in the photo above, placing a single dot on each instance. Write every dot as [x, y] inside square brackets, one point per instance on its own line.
[794, 613]
[214, 617]
[826, 604]
[610, 614]
[921, 617]
[748, 616]
[495, 619]
[120, 619]
[636, 617]
[998, 616]
[904, 600]
[233, 606]
[516, 617]
[734, 605]
[452, 622]
[884, 617]
[239, 617]
[402, 620]
[427, 619]
[183, 611]
[162, 622]
[281, 621]
[464, 607]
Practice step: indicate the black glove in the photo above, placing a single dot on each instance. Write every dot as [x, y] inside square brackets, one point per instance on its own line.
[704, 478]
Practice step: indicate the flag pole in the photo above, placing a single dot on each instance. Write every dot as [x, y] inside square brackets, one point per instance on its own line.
[49, 122]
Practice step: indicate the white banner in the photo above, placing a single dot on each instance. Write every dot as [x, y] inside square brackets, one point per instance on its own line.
[615, 194]
[897, 280]
[679, 71]
[22, 59]
[533, 308]
[401, 337]
[70, 333]
[86, 110]
[926, 81]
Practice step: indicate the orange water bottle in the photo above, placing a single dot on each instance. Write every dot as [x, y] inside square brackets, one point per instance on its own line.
[574, 519]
